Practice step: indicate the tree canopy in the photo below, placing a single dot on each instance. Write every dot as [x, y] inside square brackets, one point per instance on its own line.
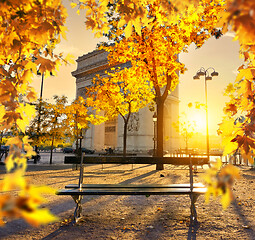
[120, 93]
[29, 31]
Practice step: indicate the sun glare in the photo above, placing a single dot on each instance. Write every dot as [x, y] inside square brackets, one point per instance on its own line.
[199, 121]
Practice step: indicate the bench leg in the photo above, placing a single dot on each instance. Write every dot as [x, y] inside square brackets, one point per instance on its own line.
[193, 216]
[78, 209]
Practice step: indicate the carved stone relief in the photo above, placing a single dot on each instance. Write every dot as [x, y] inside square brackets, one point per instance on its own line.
[133, 124]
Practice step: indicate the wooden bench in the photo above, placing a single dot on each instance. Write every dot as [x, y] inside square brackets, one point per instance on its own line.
[77, 191]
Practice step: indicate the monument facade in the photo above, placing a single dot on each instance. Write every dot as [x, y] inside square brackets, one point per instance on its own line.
[141, 128]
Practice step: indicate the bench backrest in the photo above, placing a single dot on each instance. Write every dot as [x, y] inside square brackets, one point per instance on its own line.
[136, 160]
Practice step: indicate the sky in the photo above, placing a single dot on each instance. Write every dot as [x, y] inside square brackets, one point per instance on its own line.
[221, 54]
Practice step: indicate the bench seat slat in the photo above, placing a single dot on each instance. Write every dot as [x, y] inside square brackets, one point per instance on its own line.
[130, 191]
[187, 185]
[136, 160]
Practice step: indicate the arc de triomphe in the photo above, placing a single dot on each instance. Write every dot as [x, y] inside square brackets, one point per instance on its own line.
[141, 126]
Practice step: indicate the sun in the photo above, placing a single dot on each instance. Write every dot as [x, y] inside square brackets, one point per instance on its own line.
[199, 121]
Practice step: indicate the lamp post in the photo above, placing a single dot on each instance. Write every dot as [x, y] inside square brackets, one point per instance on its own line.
[36, 157]
[154, 118]
[208, 76]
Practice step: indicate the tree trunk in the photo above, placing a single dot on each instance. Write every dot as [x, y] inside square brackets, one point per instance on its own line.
[1, 138]
[77, 134]
[160, 134]
[38, 128]
[125, 138]
[51, 149]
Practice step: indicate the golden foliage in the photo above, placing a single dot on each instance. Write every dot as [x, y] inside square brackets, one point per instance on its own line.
[241, 18]
[155, 47]
[120, 92]
[53, 128]
[79, 117]
[29, 31]
[185, 127]
[27, 201]
[133, 13]
[220, 180]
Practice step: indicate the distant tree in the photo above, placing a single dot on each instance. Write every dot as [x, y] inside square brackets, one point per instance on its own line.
[48, 127]
[54, 126]
[120, 94]
[186, 129]
[36, 126]
[78, 117]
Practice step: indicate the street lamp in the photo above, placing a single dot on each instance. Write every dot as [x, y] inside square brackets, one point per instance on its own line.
[36, 157]
[39, 116]
[208, 76]
[154, 118]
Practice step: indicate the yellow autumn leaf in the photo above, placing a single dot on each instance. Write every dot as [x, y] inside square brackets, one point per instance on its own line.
[2, 112]
[230, 147]
[220, 181]
[230, 170]
[73, 5]
[226, 198]
[244, 73]
[14, 141]
[128, 30]
[70, 59]
[63, 31]
[21, 124]
[121, 22]
[138, 26]
[13, 181]
[39, 217]
[9, 163]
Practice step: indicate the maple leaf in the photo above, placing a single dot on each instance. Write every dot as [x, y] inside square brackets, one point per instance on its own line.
[128, 29]
[73, 5]
[246, 73]
[220, 181]
[230, 107]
